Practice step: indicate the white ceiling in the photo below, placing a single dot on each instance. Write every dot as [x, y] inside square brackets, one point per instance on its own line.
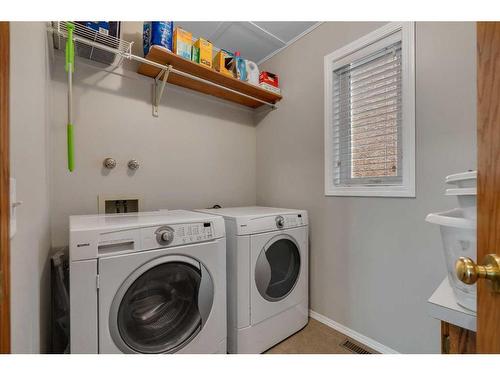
[256, 41]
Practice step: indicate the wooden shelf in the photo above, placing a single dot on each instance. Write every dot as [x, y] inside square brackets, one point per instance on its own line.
[164, 57]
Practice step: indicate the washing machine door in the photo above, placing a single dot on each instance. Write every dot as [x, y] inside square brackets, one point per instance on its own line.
[277, 268]
[162, 306]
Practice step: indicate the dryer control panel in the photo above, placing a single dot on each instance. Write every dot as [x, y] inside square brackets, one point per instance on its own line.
[272, 223]
[289, 221]
[244, 221]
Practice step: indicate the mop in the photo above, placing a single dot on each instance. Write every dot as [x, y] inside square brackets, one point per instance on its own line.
[70, 68]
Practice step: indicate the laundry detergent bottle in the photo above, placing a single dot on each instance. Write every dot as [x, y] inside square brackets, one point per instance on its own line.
[241, 66]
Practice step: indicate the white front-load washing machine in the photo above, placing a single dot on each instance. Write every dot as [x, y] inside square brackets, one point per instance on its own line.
[267, 275]
[150, 282]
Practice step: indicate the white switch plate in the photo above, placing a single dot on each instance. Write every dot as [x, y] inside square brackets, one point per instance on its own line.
[13, 205]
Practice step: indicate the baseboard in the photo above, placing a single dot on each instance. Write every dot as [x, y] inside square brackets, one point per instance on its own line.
[375, 345]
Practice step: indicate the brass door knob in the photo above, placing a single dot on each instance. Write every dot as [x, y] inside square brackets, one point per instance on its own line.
[468, 272]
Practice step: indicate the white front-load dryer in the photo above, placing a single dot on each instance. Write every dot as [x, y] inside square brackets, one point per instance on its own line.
[279, 263]
[148, 283]
[267, 275]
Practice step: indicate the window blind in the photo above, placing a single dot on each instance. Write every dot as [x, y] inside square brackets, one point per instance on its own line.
[367, 119]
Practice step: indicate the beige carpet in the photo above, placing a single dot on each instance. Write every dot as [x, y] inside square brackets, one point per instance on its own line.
[314, 338]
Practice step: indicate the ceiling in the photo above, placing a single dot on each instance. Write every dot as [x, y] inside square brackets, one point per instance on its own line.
[256, 41]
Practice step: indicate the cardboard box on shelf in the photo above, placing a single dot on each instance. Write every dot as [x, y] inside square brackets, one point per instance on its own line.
[182, 42]
[202, 52]
[100, 26]
[222, 63]
[271, 88]
[269, 78]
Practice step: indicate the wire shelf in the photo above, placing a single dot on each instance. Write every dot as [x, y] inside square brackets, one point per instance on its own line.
[111, 50]
[103, 48]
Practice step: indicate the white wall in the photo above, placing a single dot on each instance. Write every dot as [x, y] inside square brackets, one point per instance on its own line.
[373, 261]
[30, 281]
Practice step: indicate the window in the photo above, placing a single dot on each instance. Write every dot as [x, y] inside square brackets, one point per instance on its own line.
[370, 115]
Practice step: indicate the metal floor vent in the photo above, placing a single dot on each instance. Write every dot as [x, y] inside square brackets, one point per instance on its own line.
[353, 347]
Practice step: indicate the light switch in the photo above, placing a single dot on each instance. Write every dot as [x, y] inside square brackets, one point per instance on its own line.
[14, 203]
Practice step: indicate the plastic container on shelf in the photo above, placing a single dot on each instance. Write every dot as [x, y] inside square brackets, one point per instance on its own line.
[464, 188]
[239, 67]
[252, 73]
[466, 200]
[458, 235]
[463, 180]
[157, 33]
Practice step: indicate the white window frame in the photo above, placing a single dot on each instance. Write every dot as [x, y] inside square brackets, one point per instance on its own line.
[404, 31]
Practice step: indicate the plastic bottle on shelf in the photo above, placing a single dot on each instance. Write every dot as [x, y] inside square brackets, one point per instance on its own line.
[240, 67]
[252, 73]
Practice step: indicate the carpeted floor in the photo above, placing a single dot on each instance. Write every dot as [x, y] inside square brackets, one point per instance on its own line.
[314, 338]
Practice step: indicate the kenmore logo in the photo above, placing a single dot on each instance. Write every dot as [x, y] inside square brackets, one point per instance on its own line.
[82, 244]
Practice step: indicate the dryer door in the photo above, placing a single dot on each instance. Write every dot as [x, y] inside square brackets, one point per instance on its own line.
[278, 267]
[279, 263]
[162, 306]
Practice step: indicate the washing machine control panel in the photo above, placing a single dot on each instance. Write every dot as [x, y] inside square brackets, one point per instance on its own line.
[99, 236]
[194, 232]
[177, 234]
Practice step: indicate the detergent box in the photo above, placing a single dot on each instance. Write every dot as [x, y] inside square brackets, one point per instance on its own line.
[222, 62]
[183, 41]
[202, 52]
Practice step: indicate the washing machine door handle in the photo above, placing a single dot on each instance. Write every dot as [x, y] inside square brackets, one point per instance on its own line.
[262, 273]
[205, 294]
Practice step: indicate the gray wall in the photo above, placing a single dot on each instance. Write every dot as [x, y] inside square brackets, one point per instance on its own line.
[199, 152]
[29, 165]
[373, 261]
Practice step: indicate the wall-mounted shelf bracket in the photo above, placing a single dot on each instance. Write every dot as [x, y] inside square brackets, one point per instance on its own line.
[159, 88]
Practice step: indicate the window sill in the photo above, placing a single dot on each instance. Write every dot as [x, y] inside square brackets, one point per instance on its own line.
[370, 191]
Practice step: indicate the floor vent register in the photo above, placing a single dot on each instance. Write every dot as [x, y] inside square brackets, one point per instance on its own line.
[353, 347]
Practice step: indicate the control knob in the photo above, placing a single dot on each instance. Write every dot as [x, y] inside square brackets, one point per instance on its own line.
[164, 235]
[280, 221]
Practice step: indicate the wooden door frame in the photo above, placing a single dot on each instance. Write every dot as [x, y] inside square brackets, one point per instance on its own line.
[4, 190]
[488, 183]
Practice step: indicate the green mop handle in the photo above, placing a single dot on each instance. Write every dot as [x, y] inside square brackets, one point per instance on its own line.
[70, 68]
